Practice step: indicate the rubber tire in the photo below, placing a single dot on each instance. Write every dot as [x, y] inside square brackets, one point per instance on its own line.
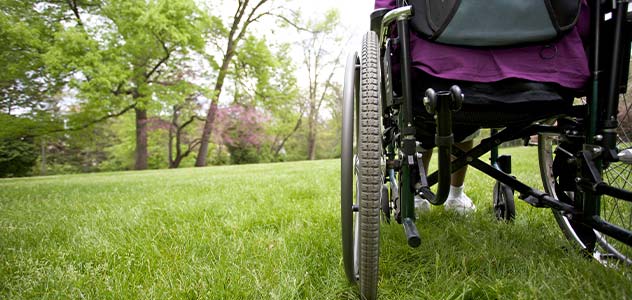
[504, 205]
[369, 172]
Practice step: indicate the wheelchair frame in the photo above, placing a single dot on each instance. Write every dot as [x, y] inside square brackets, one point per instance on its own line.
[593, 132]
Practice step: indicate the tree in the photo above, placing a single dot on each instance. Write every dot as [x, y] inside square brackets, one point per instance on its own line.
[321, 65]
[118, 60]
[26, 88]
[227, 42]
[17, 157]
[178, 134]
[28, 91]
[18, 153]
[76, 151]
[265, 78]
[242, 131]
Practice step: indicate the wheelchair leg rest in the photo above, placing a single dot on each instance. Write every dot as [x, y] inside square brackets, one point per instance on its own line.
[442, 104]
[422, 188]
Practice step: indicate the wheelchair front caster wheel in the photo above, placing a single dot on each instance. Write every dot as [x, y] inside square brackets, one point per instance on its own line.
[455, 101]
[430, 101]
[386, 205]
[504, 205]
[457, 98]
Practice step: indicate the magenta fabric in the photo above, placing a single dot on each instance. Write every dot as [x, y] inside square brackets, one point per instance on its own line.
[563, 62]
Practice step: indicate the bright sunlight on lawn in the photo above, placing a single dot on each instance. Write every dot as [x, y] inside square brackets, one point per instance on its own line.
[270, 231]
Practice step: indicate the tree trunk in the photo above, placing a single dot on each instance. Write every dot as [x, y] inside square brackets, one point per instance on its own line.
[141, 139]
[311, 139]
[173, 126]
[170, 152]
[176, 163]
[200, 160]
[43, 163]
[311, 146]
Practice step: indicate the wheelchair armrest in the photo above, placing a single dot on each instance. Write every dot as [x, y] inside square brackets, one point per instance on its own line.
[376, 19]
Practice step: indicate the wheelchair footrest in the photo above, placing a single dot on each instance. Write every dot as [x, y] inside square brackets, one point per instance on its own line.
[534, 201]
[412, 235]
[425, 193]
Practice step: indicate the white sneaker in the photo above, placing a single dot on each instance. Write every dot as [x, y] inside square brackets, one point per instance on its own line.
[421, 205]
[461, 204]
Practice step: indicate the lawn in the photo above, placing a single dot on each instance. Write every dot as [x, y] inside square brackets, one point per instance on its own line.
[270, 231]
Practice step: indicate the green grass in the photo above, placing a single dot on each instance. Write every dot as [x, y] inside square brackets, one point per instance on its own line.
[270, 231]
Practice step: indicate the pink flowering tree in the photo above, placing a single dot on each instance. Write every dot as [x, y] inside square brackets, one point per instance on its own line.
[241, 129]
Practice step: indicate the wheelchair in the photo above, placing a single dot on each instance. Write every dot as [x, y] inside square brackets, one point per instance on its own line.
[584, 148]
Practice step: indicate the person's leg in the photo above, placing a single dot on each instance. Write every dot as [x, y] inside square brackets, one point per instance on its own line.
[426, 155]
[458, 177]
[457, 199]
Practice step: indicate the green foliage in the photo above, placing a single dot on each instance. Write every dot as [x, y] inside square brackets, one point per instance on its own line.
[158, 149]
[28, 90]
[17, 157]
[68, 64]
[132, 54]
[25, 36]
[121, 151]
[15, 127]
[266, 76]
[79, 151]
[327, 24]
[265, 72]
[218, 155]
[243, 155]
[134, 44]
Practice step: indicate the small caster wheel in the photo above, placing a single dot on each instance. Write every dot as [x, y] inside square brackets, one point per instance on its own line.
[504, 205]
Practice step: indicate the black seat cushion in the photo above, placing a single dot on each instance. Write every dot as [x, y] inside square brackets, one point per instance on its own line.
[497, 104]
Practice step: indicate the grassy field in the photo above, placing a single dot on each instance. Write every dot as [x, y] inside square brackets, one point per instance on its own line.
[270, 231]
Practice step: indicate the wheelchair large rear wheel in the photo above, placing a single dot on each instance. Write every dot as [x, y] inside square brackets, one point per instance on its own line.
[361, 173]
[613, 210]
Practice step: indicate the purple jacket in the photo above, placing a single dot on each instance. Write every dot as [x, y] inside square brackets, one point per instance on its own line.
[568, 68]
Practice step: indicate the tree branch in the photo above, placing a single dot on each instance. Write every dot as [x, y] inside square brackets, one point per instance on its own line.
[191, 146]
[291, 23]
[287, 137]
[162, 60]
[75, 11]
[99, 120]
[249, 19]
[189, 121]
[328, 82]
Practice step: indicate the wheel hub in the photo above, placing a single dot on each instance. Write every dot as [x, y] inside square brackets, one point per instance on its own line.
[625, 156]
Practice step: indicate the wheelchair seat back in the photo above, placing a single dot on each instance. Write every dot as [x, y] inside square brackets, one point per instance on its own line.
[490, 23]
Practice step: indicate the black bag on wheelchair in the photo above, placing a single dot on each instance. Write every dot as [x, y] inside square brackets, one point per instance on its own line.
[490, 23]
